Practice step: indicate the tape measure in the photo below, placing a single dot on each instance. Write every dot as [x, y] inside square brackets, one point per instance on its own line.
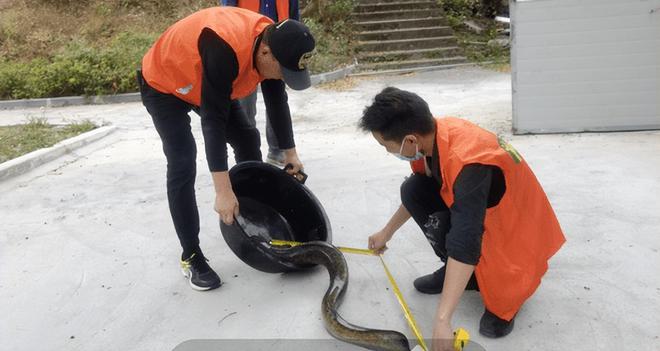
[461, 339]
[461, 336]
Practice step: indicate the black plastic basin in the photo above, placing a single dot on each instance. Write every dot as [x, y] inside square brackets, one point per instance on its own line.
[273, 205]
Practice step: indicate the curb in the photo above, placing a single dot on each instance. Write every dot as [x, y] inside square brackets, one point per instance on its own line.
[34, 159]
[69, 101]
[416, 69]
[134, 97]
[334, 75]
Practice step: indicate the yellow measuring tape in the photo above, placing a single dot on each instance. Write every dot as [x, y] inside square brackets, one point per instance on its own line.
[404, 306]
[461, 335]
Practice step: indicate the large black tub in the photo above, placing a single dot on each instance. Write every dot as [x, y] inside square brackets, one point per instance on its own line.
[273, 205]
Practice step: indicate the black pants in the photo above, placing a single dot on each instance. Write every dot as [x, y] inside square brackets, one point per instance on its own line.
[249, 105]
[170, 116]
[420, 195]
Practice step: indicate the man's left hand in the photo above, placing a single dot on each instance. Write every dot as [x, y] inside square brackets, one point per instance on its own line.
[291, 157]
[443, 337]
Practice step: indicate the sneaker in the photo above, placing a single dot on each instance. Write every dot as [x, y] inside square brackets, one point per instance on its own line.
[200, 275]
[432, 283]
[494, 327]
[275, 158]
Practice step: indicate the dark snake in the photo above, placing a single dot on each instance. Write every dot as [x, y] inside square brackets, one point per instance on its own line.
[322, 253]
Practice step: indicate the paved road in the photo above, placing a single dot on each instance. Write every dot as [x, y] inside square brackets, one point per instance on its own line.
[90, 259]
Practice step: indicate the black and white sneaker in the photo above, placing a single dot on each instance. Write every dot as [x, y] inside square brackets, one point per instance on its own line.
[275, 158]
[200, 275]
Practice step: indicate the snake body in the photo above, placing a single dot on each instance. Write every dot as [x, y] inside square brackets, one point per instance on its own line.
[322, 253]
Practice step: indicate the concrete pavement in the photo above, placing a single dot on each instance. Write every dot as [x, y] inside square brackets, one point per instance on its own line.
[89, 257]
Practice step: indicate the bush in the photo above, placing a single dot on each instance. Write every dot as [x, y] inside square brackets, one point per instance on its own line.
[475, 45]
[46, 50]
[334, 35]
[78, 69]
[334, 46]
[338, 10]
[458, 10]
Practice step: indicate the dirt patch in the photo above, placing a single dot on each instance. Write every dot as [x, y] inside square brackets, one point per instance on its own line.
[343, 84]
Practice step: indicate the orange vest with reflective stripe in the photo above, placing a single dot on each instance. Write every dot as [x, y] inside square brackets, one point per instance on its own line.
[254, 5]
[521, 233]
[173, 64]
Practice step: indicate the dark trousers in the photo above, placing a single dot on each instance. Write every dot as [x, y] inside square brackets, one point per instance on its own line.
[172, 122]
[249, 105]
[420, 195]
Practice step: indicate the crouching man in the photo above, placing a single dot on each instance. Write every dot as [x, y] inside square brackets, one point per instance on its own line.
[477, 202]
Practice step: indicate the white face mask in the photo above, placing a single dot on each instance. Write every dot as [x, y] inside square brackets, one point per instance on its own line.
[418, 155]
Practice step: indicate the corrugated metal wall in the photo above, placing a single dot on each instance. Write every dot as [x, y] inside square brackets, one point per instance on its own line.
[585, 65]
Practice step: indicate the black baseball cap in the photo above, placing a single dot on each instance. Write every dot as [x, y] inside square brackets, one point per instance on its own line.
[292, 44]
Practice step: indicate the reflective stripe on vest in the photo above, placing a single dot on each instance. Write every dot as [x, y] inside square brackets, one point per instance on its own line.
[521, 233]
[173, 64]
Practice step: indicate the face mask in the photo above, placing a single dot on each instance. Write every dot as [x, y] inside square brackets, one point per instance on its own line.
[418, 155]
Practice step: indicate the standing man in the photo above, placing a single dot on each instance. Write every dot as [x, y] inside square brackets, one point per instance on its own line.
[206, 62]
[277, 10]
[477, 202]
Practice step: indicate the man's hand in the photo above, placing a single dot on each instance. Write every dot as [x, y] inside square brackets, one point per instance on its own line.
[378, 241]
[291, 157]
[226, 205]
[443, 337]
[456, 278]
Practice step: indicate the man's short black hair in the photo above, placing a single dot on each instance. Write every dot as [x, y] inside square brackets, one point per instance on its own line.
[396, 113]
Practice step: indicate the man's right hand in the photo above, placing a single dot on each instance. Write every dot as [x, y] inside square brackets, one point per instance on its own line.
[378, 241]
[226, 204]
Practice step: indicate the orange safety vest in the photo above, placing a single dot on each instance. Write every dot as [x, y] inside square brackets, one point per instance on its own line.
[173, 64]
[521, 233]
[255, 5]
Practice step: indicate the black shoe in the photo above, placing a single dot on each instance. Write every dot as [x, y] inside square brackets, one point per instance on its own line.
[199, 273]
[432, 283]
[494, 327]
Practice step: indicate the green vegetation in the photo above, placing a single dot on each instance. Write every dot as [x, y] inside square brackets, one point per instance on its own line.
[477, 49]
[21, 139]
[474, 44]
[334, 34]
[52, 48]
[77, 69]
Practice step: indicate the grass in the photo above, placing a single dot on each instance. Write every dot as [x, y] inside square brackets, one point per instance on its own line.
[335, 36]
[32, 29]
[18, 140]
[52, 48]
[475, 45]
[77, 69]
[499, 67]
[335, 45]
